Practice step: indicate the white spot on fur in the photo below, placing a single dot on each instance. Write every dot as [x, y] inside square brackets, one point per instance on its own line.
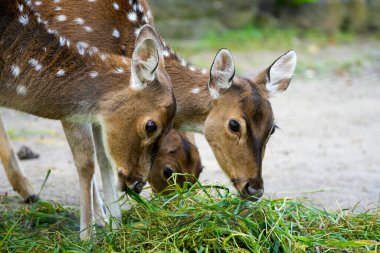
[52, 31]
[93, 50]
[119, 70]
[21, 7]
[61, 18]
[35, 64]
[21, 90]
[195, 90]
[145, 19]
[91, 1]
[37, 3]
[15, 70]
[103, 56]
[87, 29]
[132, 16]
[204, 71]
[93, 74]
[58, 8]
[192, 68]
[62, 41]
[183, 63]
[60, 72]
[81, 46]
[166, 53]
[116, 6]
[140, 8]
[24, 19]
[56, 1]
[79, 21]
[137, 31]
[115, 33]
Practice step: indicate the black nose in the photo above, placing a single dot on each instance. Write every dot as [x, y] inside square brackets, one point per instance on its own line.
[168, 172]
[252, 192]
[138, 187]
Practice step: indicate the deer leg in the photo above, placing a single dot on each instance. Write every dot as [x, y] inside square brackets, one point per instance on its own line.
[108, 177]
[99, 207]
[79, 137]
[13, 170]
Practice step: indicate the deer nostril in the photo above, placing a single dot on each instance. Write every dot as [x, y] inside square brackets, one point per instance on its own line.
[254, 191]
[138, 187]
[168, 172]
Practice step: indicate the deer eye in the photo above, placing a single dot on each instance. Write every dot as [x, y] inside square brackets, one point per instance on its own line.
[273, 129]
[234, 125]
[150, 126]
[168, 172]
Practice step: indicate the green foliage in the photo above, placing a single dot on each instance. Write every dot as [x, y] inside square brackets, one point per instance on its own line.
[295, 2]
[195, 219]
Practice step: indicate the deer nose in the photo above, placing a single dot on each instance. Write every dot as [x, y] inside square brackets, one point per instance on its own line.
[252, 192]
[138, 186]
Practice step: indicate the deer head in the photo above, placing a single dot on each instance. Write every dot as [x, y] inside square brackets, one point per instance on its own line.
[134, 129]
[177, 154]
[241, 120]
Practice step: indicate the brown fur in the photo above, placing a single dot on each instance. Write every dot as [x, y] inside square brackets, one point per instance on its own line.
[178, 153]
[76, 96]
[246, 100]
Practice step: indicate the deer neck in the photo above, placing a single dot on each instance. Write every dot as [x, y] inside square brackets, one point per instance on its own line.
[190, 86]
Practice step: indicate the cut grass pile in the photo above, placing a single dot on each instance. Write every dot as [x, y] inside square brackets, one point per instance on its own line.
[195, 219]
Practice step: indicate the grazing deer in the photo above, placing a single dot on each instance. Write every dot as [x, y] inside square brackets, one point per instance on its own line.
[177, 154]
[233, 113]
[48, 75]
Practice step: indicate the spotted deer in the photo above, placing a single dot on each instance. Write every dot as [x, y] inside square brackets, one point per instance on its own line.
[48, 75]
[234, 113]
[177, 154]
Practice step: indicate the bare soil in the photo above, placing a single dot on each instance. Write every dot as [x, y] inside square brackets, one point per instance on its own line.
[327, 149]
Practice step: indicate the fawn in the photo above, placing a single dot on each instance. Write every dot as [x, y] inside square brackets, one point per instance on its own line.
[130, 101]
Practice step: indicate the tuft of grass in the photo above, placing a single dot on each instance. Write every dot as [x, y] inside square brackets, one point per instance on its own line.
[197, 218]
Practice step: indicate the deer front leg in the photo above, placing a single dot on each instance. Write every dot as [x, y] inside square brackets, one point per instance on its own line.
[108, 178]
[99, 207]
[13, 170]
[79, 137]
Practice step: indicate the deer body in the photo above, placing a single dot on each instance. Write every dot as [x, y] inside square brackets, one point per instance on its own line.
[47, 75]
[233, 113]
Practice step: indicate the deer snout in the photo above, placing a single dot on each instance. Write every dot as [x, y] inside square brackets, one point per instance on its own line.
[134, 182]
[251, 189]
[253, 193]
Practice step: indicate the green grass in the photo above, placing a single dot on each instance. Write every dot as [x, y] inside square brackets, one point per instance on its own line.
[257, 38]
[195, 219]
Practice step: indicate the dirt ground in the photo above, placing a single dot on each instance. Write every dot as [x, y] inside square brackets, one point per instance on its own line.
[327, 149]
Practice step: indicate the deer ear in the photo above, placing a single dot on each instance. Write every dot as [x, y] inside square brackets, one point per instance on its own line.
[145, 57]
[221, 74]
[277, 77]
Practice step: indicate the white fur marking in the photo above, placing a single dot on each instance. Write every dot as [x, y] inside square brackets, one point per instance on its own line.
[204, 71]
[183, 63]
[119, 70]
[37, 3]
[81, 46]
[192, 68]
[79, 21]
[15, 70]
[132, 16]
[21, 7]
[93, 74]
[166, 53]
[87, 29]
[21, 90]
[145, 19]
[62, 41]
[137, 31]
[60, 72]
[116, 6]
[115, 33]
[61, 18]
[195, 90]
[35, 64]
[56, 1]
[58, 8]
[24, 19]
[149, 14]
